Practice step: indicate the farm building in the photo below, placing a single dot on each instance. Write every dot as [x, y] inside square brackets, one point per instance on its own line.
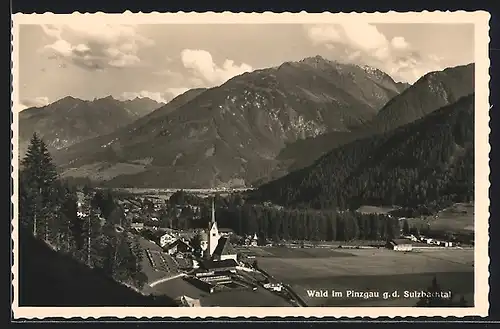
[219, 266]
[399, 245]
[178, 246]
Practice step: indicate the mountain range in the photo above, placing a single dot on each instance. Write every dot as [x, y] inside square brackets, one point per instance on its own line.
[71, 120]
[430, 92]
[231, 134]
[428, 160]
[260, 125]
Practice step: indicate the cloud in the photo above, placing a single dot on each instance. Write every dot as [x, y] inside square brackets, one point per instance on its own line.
[159, 96]
[363, 43]
[34, 102]
[399, 43]
[201, 63]
[95, 46]
[169, 73]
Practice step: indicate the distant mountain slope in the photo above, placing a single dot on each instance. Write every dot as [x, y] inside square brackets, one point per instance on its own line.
[431, 159]
[141, 106]
[48, 278]
[231, 134]
[71, 120]
[432, 91]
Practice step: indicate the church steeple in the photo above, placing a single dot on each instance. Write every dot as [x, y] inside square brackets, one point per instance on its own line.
[213, 233]
[213, 212]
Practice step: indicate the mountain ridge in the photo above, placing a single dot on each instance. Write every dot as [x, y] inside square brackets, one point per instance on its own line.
[418, 98]
[70, 120]
[428, 160]
[231, 134]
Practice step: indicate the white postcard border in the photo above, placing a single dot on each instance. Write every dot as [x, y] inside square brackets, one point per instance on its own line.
[482, 148]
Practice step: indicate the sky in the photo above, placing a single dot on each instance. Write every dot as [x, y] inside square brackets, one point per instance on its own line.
[161, 61]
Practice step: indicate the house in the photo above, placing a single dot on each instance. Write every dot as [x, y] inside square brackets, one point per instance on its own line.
[177, 246]
[137, 226]
[255, 241]
[165, 239]
[399, 245]
[225, 231]
[273, 286]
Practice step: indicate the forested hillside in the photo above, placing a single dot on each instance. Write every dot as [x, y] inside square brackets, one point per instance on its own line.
[49, 278]
[426, 162]
[431, 92]
[92, 249]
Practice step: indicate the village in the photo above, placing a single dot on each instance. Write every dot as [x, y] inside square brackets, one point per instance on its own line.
[205, 259]
[214, 265]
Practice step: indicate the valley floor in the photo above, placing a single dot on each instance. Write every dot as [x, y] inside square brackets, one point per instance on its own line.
[373, 270]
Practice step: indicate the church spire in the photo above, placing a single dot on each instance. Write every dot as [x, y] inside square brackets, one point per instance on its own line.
[213, 210]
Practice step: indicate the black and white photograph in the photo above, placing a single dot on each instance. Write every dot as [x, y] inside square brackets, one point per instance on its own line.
[291, 164]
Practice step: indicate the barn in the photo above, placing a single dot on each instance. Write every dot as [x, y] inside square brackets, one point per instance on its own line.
[400, 245]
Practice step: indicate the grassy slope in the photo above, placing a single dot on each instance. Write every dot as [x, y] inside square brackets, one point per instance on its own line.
[48, 278]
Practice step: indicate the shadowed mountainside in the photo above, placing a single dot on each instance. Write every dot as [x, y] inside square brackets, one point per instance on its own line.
[434, 90]
[429, 160]
[230, 135]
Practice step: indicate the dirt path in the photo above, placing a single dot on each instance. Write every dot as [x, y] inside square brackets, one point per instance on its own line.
[165, 279]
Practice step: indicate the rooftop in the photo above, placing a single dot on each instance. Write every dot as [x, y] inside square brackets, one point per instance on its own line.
[224, 247]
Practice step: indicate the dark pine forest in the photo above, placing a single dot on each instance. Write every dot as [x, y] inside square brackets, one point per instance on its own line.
[422, 165]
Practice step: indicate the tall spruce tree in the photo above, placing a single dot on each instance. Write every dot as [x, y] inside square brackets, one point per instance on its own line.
[38, 189]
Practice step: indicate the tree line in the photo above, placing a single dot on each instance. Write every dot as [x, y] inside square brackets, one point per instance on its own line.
[49, 209]
[276, 224]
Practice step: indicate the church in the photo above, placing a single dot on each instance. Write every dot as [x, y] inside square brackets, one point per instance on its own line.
[214, 246]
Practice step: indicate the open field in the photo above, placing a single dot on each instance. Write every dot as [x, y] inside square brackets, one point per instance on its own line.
[365, 209]
[458, 218]
[375, 270]
[169, 191]
[299, 253]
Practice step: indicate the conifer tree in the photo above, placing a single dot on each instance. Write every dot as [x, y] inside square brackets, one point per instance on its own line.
[38, 188]
[406, 227]
[434, 299]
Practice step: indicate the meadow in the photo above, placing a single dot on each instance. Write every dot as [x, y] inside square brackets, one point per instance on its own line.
[459, 218]
[375, 270]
